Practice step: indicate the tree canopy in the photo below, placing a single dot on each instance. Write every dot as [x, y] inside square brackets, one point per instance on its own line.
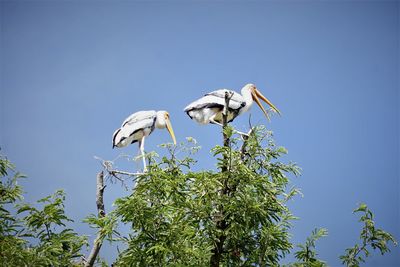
[236, 215]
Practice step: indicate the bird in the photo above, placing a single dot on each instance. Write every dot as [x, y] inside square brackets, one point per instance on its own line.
[209, 108]
[138, 126]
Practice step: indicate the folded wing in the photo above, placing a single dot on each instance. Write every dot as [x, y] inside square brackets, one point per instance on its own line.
[138, 116]
[216, 99]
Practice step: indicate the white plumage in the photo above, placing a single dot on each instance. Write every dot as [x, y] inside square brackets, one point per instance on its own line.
[134, 128]
[209, 108]
[138, 126]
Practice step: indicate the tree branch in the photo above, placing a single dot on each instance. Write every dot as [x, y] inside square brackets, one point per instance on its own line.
[228, 97]
[243, 151]
[221, 223]
[108, 167]
[101, 213]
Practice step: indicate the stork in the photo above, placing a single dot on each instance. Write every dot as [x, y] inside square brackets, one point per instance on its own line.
[209, 108]
[138, 126]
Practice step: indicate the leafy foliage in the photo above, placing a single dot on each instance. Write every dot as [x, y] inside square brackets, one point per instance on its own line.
[370, 236]
[236, 215]
[178, 216]
[39, 238]
[307, 255]
[106, 225]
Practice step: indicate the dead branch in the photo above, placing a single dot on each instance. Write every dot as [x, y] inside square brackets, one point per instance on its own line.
[101, 213]
[117, 174]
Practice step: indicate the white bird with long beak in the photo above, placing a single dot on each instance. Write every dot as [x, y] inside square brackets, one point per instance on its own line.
[138, 126]
[209, 108]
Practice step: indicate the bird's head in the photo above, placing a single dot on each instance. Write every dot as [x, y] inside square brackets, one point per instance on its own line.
[257, 95]
[163, 121]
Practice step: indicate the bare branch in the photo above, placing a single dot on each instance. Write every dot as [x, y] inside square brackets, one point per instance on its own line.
[245, 139]
[244, 145]
[108, 167]
[228, 96]
[222, 224]
[115, 172]
[101, 213]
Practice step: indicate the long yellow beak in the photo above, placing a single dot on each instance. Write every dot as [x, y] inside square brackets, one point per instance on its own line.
[170, 130]
[257, 94]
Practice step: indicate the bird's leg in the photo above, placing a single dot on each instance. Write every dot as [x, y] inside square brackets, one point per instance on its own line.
[238, 132]
[242, 133]
[235, 131]
[215, 122]
[141, 147]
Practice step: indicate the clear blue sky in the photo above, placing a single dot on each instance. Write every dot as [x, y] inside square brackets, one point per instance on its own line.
[72, 71]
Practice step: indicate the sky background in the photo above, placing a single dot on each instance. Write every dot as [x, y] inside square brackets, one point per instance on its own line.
[72, 71]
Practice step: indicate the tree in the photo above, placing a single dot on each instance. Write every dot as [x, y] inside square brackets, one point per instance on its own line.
[50, 242]
[234, 216]
[238, 214]
[370, 236]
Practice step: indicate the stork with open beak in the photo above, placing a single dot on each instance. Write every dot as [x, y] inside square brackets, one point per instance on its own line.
[209, 108]
[138, 126]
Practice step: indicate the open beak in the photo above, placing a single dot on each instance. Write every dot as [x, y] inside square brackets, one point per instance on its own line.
[170, 130]
[256, 95]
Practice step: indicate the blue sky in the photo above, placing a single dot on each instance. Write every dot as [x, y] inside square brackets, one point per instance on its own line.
[72, 71]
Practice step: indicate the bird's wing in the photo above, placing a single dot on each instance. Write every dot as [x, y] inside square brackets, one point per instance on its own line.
[139, 116]
[217, 98]
[221, 93]
[205, 102]
[131, 128]
[212, 101]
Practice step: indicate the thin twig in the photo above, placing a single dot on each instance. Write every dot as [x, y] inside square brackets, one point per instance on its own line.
[243, 151]
[107, 165]
[132, 174]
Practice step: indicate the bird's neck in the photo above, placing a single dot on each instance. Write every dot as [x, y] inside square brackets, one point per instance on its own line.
[247, 95]
[248, 98]
[160, 121]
